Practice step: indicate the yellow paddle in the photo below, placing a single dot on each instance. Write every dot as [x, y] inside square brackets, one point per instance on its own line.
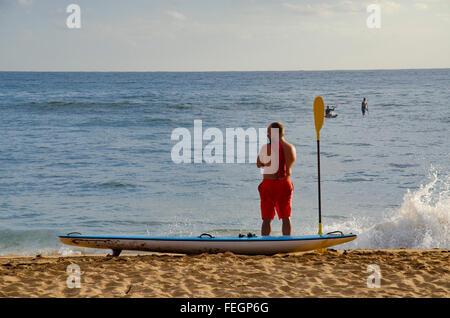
[319, 115]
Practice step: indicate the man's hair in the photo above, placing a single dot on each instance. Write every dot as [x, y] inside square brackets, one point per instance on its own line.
[280, 127]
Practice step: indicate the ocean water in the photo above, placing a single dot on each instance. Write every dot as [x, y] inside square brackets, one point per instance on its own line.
[91, 152]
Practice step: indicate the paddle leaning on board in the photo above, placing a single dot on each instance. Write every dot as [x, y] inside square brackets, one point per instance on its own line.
[319, 115]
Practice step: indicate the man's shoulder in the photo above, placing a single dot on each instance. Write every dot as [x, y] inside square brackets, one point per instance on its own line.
[290, 146]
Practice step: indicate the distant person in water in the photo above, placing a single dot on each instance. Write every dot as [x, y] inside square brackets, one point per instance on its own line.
[329, 110]
[276, 188]
[364, 106]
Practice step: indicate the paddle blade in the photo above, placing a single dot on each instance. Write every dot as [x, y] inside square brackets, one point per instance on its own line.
[319, 114]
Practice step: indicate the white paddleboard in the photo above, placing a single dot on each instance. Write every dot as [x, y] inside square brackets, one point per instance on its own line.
[206, 243]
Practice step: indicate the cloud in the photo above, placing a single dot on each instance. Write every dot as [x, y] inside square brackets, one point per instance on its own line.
[25, 2]
[324, 9]
[307, 9]
[421, 6]
[176, 15]
[389, 6]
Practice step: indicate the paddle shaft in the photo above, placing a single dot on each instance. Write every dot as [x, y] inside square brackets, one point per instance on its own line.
[318, 177]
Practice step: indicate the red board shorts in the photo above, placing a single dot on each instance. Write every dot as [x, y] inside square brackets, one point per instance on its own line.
[276, 195]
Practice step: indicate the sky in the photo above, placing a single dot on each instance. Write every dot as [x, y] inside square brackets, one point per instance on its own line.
[223, 35]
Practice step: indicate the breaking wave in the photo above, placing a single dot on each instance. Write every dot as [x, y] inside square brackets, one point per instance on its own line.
[421, 221]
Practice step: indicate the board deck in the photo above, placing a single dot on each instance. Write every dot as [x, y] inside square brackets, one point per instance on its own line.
[267, 245]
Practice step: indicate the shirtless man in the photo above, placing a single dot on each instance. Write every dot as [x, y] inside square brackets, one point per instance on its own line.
[276, 188]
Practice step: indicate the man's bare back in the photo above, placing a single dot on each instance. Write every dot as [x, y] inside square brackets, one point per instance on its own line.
[276, 189]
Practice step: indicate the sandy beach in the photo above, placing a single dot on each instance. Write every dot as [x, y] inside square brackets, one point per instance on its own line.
[338, 273]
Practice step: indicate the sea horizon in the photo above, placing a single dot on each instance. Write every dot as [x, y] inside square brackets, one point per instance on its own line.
[225, 71]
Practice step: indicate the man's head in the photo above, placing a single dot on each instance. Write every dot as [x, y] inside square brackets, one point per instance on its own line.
[275, 125]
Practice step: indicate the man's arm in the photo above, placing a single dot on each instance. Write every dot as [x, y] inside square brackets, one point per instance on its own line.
[291, 156]
[259, 163]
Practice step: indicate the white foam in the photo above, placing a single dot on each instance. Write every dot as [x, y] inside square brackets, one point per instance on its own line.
[421, 221]
[66, 251]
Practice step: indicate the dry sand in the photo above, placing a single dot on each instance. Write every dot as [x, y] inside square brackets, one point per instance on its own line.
[404, 273]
